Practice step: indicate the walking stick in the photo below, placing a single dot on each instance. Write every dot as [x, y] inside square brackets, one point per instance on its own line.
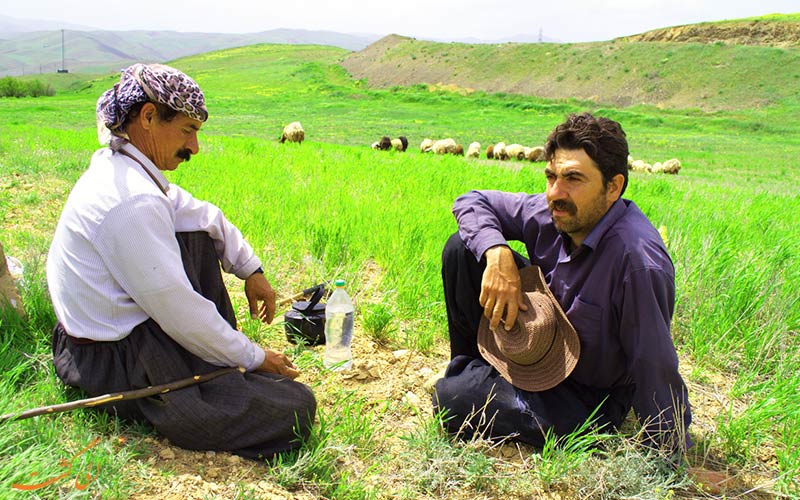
[121, 396]
[141, 393]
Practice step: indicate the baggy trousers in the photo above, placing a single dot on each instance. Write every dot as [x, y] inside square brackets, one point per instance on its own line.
[477, 401]
[255, 415]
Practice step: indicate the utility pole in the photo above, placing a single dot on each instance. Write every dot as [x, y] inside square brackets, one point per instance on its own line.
[63, 68]
[541, 38]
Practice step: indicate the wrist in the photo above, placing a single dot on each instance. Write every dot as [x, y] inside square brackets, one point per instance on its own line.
[495, 253]
[260, 270]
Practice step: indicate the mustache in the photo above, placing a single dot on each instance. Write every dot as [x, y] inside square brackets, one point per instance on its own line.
[184, 154]
[563, 205]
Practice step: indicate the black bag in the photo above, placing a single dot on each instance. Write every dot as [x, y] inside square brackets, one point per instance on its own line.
[305, 321]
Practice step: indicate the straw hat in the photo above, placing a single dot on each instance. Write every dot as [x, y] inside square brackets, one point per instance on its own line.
[542, 349]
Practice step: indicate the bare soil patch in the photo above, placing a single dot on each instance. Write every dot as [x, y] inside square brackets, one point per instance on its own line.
[766, 33]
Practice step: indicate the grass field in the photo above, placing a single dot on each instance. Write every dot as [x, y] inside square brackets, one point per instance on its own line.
[333, 207]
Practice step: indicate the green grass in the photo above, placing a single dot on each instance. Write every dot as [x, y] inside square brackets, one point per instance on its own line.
[792, 18]
[332, 208]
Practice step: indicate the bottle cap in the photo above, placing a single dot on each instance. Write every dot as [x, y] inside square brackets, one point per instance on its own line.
[339, 283]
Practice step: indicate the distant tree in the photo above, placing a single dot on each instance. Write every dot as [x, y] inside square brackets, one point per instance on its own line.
[39, 89]
[12, 87]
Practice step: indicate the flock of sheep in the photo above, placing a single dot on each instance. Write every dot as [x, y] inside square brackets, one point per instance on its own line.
[671, 166]
[501, 151]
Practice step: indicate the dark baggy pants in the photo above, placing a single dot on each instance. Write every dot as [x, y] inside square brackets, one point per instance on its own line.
[477, 401]
[255, 415]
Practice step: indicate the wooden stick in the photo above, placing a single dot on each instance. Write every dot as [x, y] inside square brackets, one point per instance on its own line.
[299, 295]
[121, 396]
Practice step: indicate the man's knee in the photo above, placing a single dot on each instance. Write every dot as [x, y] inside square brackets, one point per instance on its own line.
[454, 248]
[305, 411]
[462, 386]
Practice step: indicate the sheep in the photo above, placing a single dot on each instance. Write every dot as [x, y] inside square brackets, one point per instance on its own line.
[386, 143]
[490, 151]
[443, 146]
[500, 151]
[293, 133]
[426, 145]
[672, 166]
[535, 154]
[400, 144]
[458, 150]
[516, 151]
[641, 166]
[474, 150]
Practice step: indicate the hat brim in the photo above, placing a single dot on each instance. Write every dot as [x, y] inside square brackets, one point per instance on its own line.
[556, 365]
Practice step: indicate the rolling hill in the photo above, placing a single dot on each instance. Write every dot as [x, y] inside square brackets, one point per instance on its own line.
[24, 53]
[706, 66]
[728, 65]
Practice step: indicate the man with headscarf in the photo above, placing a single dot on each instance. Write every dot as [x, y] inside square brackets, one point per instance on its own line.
[134, 275]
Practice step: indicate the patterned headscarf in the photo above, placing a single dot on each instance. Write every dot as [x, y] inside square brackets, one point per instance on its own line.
[143, 83]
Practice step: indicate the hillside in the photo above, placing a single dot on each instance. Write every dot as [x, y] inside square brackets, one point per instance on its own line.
[107, 51]
[772, 31]
[708, 71]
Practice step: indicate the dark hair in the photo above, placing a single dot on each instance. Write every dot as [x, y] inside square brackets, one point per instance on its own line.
[601, 138]
[165, 113]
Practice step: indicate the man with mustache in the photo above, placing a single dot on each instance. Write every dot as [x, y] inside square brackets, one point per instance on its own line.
[609, 271]
[134, 275]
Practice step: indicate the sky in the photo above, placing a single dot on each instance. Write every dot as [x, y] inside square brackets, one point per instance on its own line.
[487, 20]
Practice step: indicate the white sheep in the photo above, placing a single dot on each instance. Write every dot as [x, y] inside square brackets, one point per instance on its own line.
[516, 151]
[499, 151]
[672, 166]
[443, 146]
[293, 133]
[400, 144]
[474, 150]
[641, 166]
[426, 145]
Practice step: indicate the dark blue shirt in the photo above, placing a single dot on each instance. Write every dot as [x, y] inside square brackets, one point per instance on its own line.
[617, 288]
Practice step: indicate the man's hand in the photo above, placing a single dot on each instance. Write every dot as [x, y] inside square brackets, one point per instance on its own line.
[501, 292]
[278, 362]
[257, 288]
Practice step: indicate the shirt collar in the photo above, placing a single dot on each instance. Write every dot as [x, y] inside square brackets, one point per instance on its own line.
[156, 174]
[596, 234]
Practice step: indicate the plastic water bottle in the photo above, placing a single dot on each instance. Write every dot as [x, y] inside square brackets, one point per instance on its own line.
[338, 329]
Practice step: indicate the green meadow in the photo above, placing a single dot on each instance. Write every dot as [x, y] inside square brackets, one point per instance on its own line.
[334, 208]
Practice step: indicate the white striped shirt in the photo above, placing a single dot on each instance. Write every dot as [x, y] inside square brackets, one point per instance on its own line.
[114, 260]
